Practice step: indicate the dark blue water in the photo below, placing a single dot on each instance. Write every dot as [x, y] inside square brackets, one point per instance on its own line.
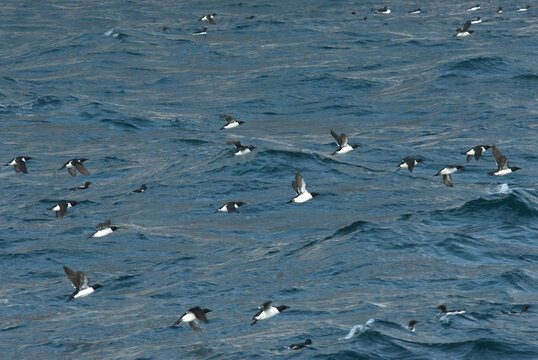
[102, 80]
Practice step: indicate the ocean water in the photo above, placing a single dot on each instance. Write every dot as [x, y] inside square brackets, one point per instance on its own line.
[377, 248]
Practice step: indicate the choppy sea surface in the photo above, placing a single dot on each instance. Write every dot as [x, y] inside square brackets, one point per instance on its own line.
[126, 85]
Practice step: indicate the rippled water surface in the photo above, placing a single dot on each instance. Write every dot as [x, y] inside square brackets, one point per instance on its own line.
[126, 85]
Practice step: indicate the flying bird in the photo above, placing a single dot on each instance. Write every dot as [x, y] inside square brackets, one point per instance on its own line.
[192, 316]
[476, 152]
[241, 149]
[19, 164]
[343, 142]
[75, 164]
[446, 171]
[503, 167]
[465, 31]
[230, 207]
[103, 229]
[299, 186]
[208, 18]
[61, 207]
[230, 122]
[409, 163]
[80, 283]
[267, 311]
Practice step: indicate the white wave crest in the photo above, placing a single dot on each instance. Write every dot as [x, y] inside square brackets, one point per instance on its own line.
[360, 328]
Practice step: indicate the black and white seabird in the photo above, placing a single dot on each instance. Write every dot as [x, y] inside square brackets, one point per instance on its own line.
[476, 152]
[192, 316]
[73, 164]
[503, 167]
[465, 31]
[267, 311]
[230, 122]
[82, 187]
[499, 10]
[241, 149]
[201, 32]
[62, 207]
[80, 283]
[411, 325]
[446, 171]
[416, 11]
[526, 8]
[476, 7]
[409, 163]
[141, 189]
[476, 21]
[343, 142]
[208, 18]
[231, 206]
[524, 308]
[384, 10]
[299, 346]
[450, 312]
[103, 229]
[19, 164]
[299, 186]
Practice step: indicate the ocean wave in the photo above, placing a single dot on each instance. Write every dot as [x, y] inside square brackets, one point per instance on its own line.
[526, 77]
[126, 124]
[513, 206]
[349, 229]
[487, 64]
[340, 82]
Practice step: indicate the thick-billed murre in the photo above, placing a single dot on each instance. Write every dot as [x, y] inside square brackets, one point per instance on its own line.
[299, 186]
[80, 283]
[267, 311]
[19, 164]
[75, 164]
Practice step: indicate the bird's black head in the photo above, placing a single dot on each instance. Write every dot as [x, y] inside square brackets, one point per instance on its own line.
[73, 203]
[355, 146]
[97, 286]
[282, 308]
[525, 308]
[308, 342]
[442, 308]
[82, 159]
[240, 203]
[412, 323]
[206, 310]
[314, 194]
[459, 167]
[114, 228]
[515, 168]
[241, 122]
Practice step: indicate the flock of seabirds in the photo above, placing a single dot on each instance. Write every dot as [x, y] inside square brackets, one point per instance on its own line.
[197, 314]
[460, 32]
